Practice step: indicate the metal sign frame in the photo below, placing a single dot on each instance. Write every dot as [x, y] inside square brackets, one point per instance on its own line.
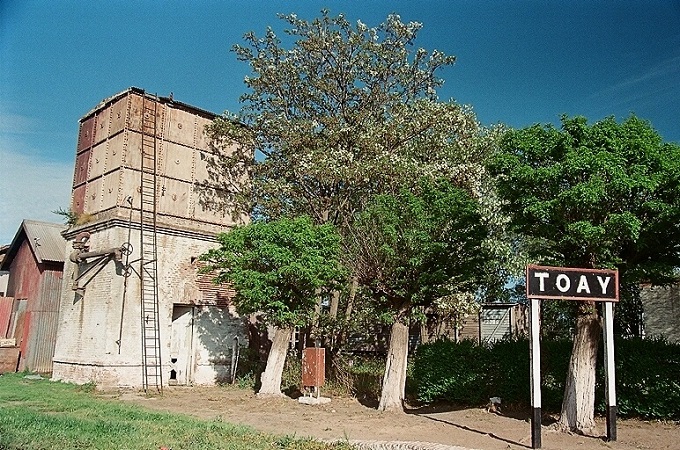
[544, 273]
[568, 283]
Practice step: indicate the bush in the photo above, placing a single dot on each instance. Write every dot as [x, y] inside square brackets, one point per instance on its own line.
[357, 376]
[457, 373]
[647, 375]
[647, 379]
[346, 375]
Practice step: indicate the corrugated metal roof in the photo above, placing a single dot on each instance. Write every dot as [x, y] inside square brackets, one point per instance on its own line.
[44, 238]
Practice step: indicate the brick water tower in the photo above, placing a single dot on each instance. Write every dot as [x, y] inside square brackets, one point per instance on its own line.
[134, 309]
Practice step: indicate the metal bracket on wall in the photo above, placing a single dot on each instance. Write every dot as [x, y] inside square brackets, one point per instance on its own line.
[81, 255]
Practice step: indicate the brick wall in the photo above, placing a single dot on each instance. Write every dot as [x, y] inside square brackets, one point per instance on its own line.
[99, 337]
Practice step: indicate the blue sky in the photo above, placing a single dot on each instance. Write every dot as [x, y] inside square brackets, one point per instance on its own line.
[519, 62]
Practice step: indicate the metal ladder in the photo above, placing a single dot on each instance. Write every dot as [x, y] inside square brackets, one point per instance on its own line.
[151, 341]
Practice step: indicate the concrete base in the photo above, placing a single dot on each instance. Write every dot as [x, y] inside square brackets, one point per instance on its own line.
[314, 400]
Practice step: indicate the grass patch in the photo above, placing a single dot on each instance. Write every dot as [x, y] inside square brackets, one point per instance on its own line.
[40, 414]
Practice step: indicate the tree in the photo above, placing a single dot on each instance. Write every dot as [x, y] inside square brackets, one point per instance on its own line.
[605, 195]
[346, 112]
[334, 114]
[409, 250]
[278, 270]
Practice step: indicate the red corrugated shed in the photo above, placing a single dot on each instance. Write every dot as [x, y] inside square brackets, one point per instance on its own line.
[35, 261]
[6, 304]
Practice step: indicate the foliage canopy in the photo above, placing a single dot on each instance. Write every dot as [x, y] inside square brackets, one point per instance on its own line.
[346, 112]
[600, 195]
[412, 248]
[278, 268]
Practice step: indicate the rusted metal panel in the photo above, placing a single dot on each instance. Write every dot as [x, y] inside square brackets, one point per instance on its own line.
[178, 162]
[24, 324]
[93, 196]
[111, 190]
[39, 346]
[6, 305]
[50, 291]
[130, 185]
[78, 199]
[135, 117]
[24, 273]
[174, 197]
[102, 128]
[314, 367]
[86, 134]
[118, 115]
[82, 168]
[209, 210]
[133, 150]
[116, 150]
[201, 162]
[98, 160]
[16, 326]
[202, 141]
[136, 110]
[180, 127]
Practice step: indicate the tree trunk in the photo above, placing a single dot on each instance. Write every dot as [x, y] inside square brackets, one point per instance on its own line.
[271, 377]
[335, 302]
[394, 380]
[352, 295]
[348, 312]
[578, 405]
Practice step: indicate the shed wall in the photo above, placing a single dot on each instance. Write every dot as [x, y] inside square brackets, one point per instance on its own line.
[661, 306]
[495, 323]
[24, 281]
[6, 305]
[44, 314]
[33, 321]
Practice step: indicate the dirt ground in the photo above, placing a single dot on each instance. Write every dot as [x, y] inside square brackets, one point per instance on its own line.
[348, 419]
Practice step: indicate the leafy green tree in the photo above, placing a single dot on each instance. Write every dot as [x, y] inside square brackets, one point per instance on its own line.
[336, 112]
[605, 195]
[409, 250]
[278, 269]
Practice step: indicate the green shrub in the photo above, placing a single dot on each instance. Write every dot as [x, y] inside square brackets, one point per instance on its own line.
[291, 378]
[647, 379]
[647, 375]
[457, 373]
[356, 376]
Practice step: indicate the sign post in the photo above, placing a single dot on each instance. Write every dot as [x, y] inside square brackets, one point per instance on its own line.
[610, 386]
[566, 283]
[535, 357]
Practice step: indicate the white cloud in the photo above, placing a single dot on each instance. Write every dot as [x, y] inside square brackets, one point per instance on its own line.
[30, 188]
[15, 123]
[669, 67]
[656, 84]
